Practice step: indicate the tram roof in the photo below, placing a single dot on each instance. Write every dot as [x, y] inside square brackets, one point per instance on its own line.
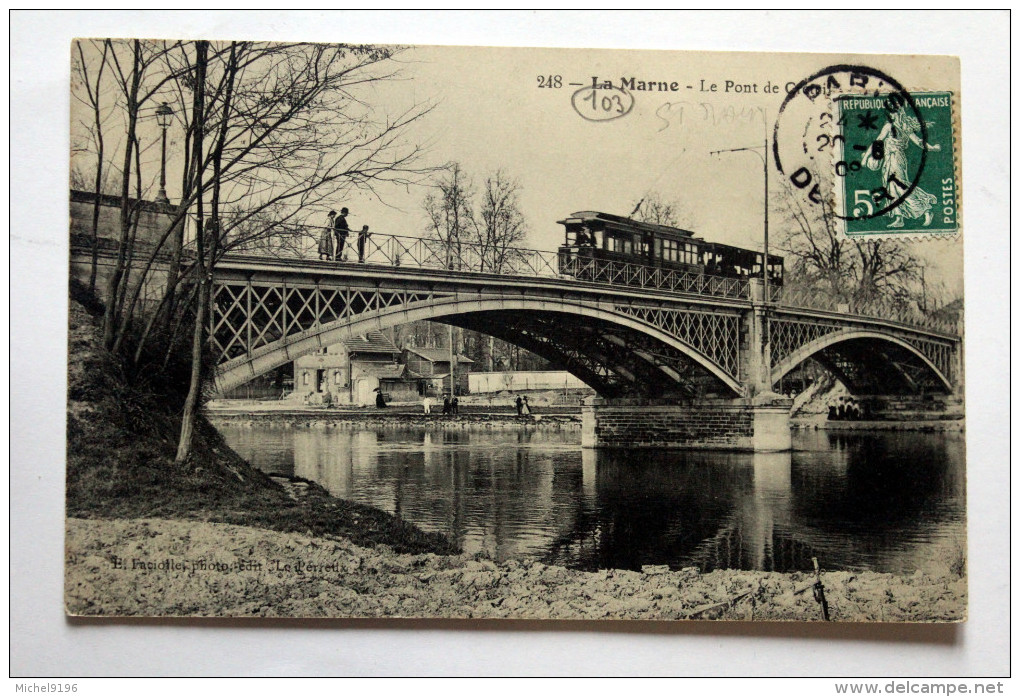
[620, 222]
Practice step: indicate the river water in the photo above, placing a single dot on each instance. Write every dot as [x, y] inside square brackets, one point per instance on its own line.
[885, 501]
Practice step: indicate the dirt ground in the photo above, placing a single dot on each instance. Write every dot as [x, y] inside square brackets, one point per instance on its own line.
[186, 568]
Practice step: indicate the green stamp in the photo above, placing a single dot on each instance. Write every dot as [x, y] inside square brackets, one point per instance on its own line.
[897, 173]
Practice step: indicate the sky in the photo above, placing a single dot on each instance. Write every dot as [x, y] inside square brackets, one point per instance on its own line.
[490, 113]
[525, 112]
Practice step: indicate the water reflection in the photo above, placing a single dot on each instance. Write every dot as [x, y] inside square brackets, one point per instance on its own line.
[879, 501]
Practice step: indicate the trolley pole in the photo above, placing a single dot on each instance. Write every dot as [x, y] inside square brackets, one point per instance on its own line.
[762, 151]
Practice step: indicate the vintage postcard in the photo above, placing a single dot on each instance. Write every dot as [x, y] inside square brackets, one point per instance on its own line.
[468, 332]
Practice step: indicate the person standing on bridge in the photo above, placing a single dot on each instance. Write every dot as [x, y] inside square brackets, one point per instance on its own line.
[363, 236]
[342, 230]
[326, 239]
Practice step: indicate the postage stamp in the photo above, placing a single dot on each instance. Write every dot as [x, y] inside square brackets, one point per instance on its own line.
[897, 171]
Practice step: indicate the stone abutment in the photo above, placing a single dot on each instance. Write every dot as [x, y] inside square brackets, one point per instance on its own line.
[759, 425]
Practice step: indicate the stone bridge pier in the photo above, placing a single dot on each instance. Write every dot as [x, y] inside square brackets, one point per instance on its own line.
[749, 424]
[757, 422]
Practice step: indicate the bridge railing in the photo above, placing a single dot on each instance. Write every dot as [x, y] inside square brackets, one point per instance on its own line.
[413, 252]
[587, 268]
[810, 299]
[426, 253]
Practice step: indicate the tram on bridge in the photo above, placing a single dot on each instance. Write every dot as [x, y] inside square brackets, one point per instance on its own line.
[594, 236]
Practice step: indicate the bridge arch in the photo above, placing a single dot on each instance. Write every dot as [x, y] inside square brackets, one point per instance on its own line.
[833, 339]
[240, 370]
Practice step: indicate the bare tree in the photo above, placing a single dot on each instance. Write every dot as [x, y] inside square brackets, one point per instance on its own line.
[135, 68]
[191, 401]
[272, 130]
[450, 214]
[90, 78]
[865, 274]
[653, 208]
[285, 129]
[477, 236]
[499, 227]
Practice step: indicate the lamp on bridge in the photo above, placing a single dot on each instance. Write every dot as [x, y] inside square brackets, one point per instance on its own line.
[164, 114]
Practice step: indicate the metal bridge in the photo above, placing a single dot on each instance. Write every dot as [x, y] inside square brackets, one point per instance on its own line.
[627, 330]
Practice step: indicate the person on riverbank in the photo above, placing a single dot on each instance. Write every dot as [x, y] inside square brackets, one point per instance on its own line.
[525, 408]
[380, 401]
[427, 405]
[853, 411]
[455, 405]
[519, 403]
[446, 405]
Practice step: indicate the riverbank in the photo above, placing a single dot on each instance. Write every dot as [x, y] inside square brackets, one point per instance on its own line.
[276, 414]
[279, 414]
[156, 567]
[947, 425]
[121, 447]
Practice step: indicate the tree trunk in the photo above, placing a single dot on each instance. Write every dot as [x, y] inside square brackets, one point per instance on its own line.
[197, 337]
[195, 386]
[95, 212]
[113, 287]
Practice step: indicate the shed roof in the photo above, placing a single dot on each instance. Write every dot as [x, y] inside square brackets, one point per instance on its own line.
[437, 355]
[373, 342]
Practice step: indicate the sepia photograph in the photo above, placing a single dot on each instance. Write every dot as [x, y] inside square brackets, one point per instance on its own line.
[477, 332]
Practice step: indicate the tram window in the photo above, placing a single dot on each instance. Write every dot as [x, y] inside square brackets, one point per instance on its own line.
[670, 250]
[619, 244]
[690, 254]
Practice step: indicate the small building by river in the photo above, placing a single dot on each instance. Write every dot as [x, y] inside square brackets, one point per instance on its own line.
[352, 371]
[432, 368]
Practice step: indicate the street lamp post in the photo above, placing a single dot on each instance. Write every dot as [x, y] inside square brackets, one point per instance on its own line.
[763, 155]
[164, 113]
